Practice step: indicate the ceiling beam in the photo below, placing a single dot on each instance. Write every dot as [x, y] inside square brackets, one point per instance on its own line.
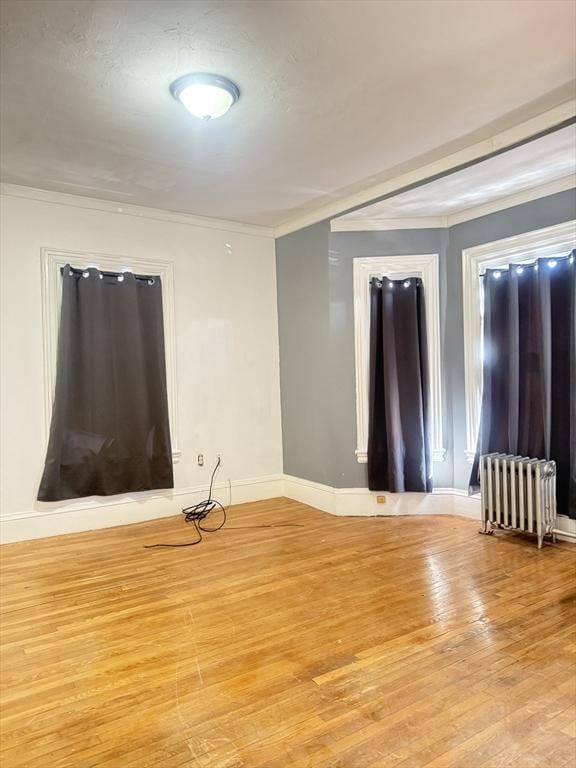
[499, 142]
[382, 224]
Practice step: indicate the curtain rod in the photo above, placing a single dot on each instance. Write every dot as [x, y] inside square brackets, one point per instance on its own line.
[527, 264]
[404, 279]
[107, 273]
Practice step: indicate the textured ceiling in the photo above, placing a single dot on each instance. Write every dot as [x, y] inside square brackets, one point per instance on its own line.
[336, 95]
[532, 165]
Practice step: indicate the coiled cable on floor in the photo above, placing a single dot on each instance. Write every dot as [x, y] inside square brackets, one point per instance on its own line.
[197, 513]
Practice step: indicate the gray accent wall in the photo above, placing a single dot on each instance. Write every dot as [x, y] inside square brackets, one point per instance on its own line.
[316, 327]
[302, 279]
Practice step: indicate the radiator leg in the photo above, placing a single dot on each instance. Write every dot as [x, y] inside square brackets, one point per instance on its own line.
[487, 529]
[540, 541]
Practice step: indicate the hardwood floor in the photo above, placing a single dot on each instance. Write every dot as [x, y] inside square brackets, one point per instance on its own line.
[329, 643]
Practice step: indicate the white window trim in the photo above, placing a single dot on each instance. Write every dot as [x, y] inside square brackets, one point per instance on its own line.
[426, 267]
[551, 241]
[52, 262]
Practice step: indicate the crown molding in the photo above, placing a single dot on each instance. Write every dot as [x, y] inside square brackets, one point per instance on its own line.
[496, 143]
[375, 224]
[137, 211]
[526, 196]
[473, 153]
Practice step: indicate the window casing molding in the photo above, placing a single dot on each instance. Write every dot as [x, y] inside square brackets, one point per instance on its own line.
[550, 241]
[426, 267]
[52, 262]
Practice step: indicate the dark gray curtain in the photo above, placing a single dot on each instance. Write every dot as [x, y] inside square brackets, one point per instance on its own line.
[529, 372]
[109, 432]
[398, 443]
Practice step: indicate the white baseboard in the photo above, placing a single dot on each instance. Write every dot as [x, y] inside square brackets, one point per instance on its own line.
[59, 518]
[363, 502]
[565, 528]
[54, 519]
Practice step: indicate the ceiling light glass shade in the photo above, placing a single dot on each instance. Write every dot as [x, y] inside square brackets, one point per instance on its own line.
[205, 96]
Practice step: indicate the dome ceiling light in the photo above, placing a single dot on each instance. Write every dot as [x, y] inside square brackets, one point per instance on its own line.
[205, 96]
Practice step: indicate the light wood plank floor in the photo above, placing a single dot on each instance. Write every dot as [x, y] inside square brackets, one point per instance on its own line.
[333, 643]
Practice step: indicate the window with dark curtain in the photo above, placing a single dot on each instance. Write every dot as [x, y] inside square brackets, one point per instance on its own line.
[109, 432]
[529, 369]
[398, 431]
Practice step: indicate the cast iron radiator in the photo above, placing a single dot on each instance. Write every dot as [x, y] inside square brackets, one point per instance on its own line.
[518, 493]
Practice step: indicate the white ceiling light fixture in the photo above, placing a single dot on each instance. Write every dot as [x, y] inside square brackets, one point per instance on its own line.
[205, 96]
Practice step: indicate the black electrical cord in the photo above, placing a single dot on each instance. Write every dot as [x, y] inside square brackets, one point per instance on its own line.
[199, 512]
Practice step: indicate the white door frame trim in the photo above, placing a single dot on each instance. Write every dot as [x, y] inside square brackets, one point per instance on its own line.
[426, 267]
[550, 241]
[52, 260]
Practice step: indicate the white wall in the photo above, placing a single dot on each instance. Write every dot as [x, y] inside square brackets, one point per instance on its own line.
[226, 357]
